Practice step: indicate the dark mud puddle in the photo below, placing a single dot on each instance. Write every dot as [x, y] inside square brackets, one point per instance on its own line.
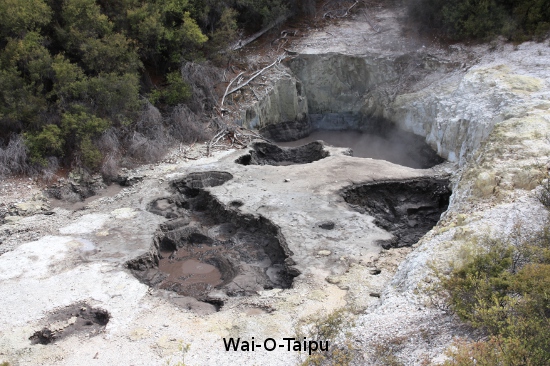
[264, 153]
[406, 208]
[209, 251]
[398, 147]
[78, 318]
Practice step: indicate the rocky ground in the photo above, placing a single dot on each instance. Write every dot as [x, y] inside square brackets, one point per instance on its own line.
[487, 111]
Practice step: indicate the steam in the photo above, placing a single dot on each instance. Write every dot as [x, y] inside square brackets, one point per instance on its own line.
[396, 146]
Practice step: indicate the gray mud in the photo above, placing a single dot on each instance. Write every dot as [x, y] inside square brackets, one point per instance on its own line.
[209, 251]
[264, 153]
[395, 146]
[406, 208]
[59, 198]
[77, 318]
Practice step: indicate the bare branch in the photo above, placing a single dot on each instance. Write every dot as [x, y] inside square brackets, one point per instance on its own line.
[228, 86]
[255, 76]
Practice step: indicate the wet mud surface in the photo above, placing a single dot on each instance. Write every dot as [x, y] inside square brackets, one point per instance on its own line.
[263, 153]
[78, 318]
[59, 198]
[395, 146]
[407, 208]
[288, 130]
[208, 251]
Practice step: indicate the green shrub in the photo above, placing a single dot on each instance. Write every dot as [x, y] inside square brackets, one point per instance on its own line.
[91, 156]
[333, 328]
[501, 288]
[175, 92]
[49, 141]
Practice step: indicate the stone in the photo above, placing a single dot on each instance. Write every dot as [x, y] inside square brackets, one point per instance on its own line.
[286, 101]
[30, 208]
[124, 213]
[129, 180]
[12, 219]
[324, 253]
[327, 225]
[485, 184]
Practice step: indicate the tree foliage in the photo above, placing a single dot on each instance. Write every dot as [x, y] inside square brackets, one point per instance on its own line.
[69, 69]
[483, 19]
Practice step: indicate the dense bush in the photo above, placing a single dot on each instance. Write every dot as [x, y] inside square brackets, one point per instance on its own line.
[483, 19]
[502, 288]
[71, 69]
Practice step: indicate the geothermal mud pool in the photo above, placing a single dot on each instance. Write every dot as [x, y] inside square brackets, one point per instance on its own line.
[73, 319]
[207, 247]
[209, 250]
[263, 153]
[398, 147]
[408, 208]
[485, 110]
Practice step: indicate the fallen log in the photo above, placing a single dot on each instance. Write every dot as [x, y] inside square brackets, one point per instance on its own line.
[252, 38]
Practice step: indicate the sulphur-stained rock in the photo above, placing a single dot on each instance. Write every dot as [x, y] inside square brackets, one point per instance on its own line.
[30, 208]
[485, 184]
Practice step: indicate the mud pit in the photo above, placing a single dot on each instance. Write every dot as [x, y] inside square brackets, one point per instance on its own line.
[395, 146]
[408, 208]
[76, 318]
[209, 251]
[263, 153]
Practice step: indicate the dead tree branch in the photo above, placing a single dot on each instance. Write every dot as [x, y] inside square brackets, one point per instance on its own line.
[346, 13]
[374, 26]
[255, 75]
[214, 140]
[228, 86]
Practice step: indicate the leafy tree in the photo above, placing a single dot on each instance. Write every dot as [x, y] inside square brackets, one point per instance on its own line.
[71, 68]
[19, 17]
[25, 65]
[483, 19]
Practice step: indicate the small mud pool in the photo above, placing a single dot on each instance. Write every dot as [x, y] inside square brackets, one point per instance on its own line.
[209, 251]
[263, 153]
[73, 201]
[408, 208]
[74, 319]
[397, 146]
